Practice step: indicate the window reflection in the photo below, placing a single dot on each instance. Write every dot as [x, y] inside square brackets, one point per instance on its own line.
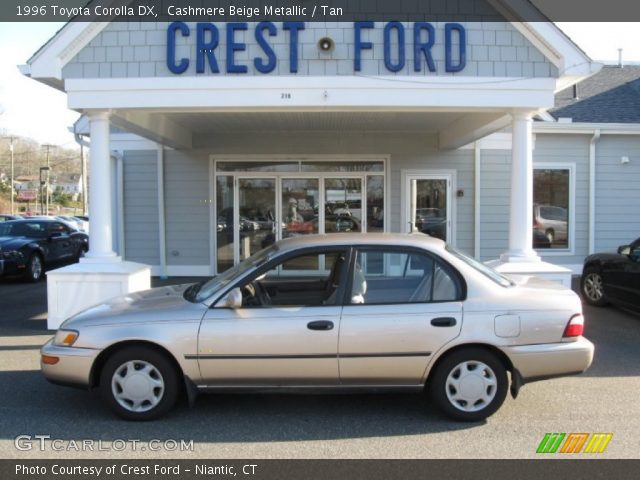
[551, 208]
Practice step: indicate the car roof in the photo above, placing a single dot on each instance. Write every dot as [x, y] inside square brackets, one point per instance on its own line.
[35, 219]
[419, 240]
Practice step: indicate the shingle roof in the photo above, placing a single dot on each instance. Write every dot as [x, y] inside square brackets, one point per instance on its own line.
[610, 96]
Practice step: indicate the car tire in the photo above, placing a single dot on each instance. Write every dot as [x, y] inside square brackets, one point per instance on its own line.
[469, 385]
[550, 234]
[35, 268]
[592, 287]
[139, 383]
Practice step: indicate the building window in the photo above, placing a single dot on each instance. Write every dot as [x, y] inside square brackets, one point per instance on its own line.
[552, 208]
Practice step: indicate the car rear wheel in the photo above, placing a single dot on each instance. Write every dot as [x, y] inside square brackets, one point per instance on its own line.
[592, 287]
[139, 383]
[35, 268]
[550, 236]
[469, 385]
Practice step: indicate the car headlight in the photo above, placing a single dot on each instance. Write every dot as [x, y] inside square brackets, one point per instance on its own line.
[11, 255]
[65, 338]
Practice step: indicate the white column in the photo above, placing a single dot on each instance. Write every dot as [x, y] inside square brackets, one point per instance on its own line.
[100, 191]
[521, 206]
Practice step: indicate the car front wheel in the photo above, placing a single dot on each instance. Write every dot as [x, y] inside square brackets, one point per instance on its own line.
[35, 268]
[592, 287]
[139, 383]
[469, 385]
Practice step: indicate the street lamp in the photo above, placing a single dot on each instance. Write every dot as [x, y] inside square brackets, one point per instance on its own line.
[42, 183]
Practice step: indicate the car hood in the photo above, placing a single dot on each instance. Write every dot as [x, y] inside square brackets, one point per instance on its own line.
[155, 305]
[11, 243]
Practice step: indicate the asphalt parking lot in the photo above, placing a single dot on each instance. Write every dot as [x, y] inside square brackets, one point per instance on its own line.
[604, 399]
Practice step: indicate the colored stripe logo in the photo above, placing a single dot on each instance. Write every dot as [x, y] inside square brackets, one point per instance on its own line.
[575, 442]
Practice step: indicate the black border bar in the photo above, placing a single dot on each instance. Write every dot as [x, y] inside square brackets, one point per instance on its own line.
[319, 10]
[321, 469]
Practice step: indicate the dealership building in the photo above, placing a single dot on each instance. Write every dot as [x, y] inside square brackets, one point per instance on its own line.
[209, 141]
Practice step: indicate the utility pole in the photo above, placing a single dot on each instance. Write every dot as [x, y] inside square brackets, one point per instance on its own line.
[11, 181]
[83, 176]
[47, 146]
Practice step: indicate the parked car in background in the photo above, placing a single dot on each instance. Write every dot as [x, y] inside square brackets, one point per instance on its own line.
[343, 312]
[78, 223]
[552, 222]
[28, 247]
[5, 217]
[432, 221]
[540, 240]
[613, 278]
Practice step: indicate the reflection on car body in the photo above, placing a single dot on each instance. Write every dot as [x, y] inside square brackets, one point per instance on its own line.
[345, 312]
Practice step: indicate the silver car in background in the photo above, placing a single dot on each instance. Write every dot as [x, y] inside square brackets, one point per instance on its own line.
[343, 312]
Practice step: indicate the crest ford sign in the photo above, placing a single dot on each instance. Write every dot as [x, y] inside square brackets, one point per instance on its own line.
[418, 38]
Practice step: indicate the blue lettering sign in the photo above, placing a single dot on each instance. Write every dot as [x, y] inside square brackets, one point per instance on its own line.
[258, 62]
[359, 44]
[206, 48]
[393, 67]
[233, 47]
[293, 27]
[171, 47]
[449, 66]
[392, 36]
[422, 48]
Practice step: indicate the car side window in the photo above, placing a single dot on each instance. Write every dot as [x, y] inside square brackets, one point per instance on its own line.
[388, 277]
[58, 228]
[306, 280]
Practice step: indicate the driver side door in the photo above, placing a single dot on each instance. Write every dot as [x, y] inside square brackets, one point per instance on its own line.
[278, 338]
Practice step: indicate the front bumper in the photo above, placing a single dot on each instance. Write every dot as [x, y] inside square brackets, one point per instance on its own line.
[10, 267]
[537, 362]
[73, 367]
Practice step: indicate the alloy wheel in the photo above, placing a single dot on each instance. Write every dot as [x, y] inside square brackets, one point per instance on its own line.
[593, 287]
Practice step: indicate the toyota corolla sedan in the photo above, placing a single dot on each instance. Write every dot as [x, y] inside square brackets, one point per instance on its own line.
[338, 312]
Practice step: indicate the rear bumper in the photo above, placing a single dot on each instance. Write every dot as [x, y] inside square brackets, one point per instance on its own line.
[73, 367]
[538, 362]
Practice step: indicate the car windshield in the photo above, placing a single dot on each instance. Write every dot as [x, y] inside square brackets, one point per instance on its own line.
[22, 229]
[199, 292]
[481, 267]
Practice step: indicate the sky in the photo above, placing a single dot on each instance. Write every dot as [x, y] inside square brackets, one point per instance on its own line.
[29, 108]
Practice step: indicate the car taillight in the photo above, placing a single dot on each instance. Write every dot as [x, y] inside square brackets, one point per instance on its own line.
[575, 327]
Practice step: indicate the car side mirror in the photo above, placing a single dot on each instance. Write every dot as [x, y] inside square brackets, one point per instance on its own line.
[624, 250]
[233, 299]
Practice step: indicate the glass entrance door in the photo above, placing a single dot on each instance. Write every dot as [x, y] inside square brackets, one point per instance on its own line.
[429, 205]
[255, 220]
[343, 205]
[300, 199]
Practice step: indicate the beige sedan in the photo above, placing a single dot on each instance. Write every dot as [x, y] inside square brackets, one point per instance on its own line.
[339, 312]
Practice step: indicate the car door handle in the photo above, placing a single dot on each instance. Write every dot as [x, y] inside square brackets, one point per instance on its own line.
[320, 325]
[443, 322]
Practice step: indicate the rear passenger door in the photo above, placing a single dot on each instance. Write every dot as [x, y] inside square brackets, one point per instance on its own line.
[402, 306]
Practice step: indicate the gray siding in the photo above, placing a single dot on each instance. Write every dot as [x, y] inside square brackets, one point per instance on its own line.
[617, 191]
[494, 48]
[495, 188]
[141, 233]
[186, 184]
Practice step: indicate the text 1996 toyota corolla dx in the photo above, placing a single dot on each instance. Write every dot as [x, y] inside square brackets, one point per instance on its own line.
[350, 312]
